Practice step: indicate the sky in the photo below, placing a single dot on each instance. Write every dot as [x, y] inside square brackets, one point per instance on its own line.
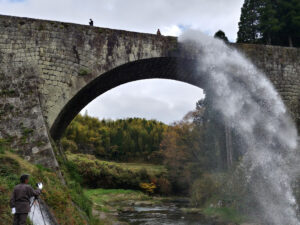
[164, 100]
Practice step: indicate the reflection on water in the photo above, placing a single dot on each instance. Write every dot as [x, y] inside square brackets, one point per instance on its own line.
[166, 214]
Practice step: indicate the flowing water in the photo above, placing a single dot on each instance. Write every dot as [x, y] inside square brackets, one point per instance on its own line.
[167, 213]
[251, 106]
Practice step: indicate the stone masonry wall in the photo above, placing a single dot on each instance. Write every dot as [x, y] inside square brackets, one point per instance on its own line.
[282, 66]
[22, 125]
[44, 64]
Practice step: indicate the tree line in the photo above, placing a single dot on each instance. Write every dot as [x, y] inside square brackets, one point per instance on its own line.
[132, 139]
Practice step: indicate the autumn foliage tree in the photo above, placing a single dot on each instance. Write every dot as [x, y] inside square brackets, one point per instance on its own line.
[132, 139]
[181, 148]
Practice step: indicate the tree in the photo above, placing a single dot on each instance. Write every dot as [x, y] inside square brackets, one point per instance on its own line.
[289, 14]
[221, 35]
[249, 22]
[274, 22]
[121, 140]
[181, 148]
[269, 24]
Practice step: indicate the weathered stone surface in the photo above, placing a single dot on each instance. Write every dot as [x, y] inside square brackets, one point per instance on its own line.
[282, 66]
[51, 70]
[22, 124]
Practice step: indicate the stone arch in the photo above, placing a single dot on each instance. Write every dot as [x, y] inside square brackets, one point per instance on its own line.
[180, 69]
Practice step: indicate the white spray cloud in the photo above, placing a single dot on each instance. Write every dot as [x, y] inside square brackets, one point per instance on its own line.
[250, 104]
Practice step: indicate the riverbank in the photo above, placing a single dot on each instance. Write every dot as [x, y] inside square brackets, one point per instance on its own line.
[141, 184]
[122, 207]
[108, 204]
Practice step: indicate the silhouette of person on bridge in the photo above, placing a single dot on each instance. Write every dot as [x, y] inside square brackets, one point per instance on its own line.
[91, 22]
[158, 33]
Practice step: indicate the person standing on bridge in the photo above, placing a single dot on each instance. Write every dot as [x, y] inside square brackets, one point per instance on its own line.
[91, 22]
[20, 199]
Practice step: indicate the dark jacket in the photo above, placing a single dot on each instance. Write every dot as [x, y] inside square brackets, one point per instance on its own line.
[20, 198]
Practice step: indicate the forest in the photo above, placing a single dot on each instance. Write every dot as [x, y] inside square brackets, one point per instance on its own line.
[188, 148]
[125, 140]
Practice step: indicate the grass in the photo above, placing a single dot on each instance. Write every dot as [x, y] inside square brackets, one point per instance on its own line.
[151, 168]
[107, 196]
[107, 202]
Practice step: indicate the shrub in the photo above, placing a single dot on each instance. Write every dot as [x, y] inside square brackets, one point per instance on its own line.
[164, 186]
[73, 172]
[202, 190]
[69, 145]
[101, 174]
[148, 187]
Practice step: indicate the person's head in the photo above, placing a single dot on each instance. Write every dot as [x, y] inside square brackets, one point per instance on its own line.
[24, 179]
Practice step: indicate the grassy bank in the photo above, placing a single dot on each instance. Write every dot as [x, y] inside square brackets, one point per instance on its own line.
[151, 169]
[95, 173]
[108, 203]
[65, 201]
[110, 200]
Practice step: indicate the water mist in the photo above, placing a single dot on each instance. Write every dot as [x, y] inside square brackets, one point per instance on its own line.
[251, 106]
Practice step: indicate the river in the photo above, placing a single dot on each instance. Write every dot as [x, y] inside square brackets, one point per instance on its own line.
[167, 213]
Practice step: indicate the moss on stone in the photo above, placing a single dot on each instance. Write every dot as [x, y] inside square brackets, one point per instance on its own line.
[84, 72]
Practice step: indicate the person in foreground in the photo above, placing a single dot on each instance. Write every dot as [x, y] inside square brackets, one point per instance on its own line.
[20, 199]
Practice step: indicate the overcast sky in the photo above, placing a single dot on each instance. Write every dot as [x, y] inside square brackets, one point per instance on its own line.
[159, 99]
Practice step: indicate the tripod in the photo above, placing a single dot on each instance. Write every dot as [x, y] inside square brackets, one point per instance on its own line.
[36, 199]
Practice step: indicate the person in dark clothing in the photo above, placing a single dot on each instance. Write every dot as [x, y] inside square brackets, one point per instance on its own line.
[158, 33]
[20, 199]
[91, 22]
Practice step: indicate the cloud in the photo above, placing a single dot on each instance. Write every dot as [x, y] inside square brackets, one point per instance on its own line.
[164, 100]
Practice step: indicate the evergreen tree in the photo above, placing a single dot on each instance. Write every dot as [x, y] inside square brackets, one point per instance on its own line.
[289, 15]
[269, 24]
[249, 22]
[274, 22]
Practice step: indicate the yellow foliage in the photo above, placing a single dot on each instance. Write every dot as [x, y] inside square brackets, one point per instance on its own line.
[148, 187]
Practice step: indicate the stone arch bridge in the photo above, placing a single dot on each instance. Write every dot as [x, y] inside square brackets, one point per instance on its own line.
[50, 70]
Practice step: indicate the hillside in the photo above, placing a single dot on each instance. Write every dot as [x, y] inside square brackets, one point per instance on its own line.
[67, 203]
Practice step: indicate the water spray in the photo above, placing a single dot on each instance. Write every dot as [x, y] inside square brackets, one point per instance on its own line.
[250, 104]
